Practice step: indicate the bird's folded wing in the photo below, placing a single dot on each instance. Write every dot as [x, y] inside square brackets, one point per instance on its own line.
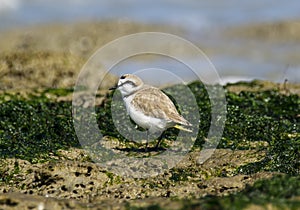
[154, 103]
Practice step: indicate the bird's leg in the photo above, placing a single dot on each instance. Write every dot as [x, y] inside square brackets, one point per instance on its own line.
[159, 140]
[146, 148]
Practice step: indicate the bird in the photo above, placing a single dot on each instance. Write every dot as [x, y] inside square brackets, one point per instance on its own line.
[149, 107]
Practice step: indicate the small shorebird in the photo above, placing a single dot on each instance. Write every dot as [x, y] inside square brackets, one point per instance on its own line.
[149, 107]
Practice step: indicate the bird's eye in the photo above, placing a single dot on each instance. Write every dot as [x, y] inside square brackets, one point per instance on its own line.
[123, 77]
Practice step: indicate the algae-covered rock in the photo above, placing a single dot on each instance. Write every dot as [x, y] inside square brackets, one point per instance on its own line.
[44, 162]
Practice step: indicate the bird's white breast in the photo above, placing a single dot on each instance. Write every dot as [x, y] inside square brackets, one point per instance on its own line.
[140, 118]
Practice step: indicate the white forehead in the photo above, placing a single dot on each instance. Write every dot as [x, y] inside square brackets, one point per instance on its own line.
[130, 77]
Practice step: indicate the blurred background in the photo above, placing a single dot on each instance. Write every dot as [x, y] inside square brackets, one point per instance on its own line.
[45, 43]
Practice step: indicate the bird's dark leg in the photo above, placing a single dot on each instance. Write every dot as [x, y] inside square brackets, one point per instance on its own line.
[146, 148]
[160, 138]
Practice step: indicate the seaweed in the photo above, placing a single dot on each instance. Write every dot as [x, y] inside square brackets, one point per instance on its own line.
[32, 127]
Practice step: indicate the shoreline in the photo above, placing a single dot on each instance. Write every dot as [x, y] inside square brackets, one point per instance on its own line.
[59, 51]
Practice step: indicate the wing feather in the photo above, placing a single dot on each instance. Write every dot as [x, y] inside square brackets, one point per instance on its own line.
[154, 103]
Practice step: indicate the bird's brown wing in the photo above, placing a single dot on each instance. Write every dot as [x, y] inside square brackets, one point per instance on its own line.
[154, 103]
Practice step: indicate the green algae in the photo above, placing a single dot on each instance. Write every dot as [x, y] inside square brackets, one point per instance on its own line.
[278, 191]
[180, 174]
[34, 126]
[265, 116]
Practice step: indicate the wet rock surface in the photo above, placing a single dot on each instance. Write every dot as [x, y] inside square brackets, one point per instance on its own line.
[67, 183]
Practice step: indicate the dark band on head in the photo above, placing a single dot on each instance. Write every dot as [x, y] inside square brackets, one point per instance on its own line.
[123, 77]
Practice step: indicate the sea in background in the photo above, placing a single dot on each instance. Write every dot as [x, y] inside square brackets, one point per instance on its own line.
[234, 59]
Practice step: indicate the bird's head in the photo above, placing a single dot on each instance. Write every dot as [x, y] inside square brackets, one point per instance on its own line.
[128, 84]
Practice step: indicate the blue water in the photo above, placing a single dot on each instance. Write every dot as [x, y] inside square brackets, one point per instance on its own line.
[198, 17]
[192, 14]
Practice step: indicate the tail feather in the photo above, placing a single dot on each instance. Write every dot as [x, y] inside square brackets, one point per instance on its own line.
[182, 128]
